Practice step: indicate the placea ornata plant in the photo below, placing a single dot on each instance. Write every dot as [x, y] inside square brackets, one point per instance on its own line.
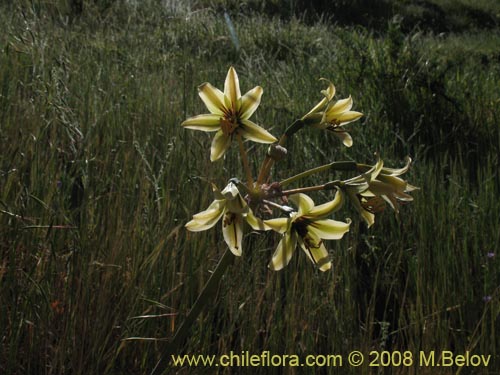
[255, 200]
[269, 205]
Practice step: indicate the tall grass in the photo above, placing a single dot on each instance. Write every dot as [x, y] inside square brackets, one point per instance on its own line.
[97, 180]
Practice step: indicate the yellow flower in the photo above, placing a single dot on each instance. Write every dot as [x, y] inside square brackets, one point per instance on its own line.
[307, 227]
[229, 115]
[315, 115]
[336, 116]
[331, 115]
[390, 187]
[230, 206]
[354, 187]
[381, 185]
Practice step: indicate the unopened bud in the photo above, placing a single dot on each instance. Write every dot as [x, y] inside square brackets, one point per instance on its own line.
[276, 152]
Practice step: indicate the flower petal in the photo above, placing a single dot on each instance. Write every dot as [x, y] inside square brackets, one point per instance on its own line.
[398, 171]
[348, 117]
[284, 251]
[329, 93]
[335, 109]
[393, 202]
[368, 217]
[232, 89]
[315, 250]
[254, 132]
[220, 144]
[280, 224]
[255, 222]
[329, 229]
[374, 171]
[398, 183]
[232, 229]
[206, 219]
[230, 191]
[250, 101]
[303, 202]
[410, 188]
[207, 123]
[382, 188]
[344, 136]
[327, 208]
[212, 97]
[237, 205]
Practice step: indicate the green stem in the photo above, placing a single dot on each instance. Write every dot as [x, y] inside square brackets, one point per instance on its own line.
[268, 162]
[244, 160]
[328, 186]
[337, 165]
[292, 129]
[203, 300]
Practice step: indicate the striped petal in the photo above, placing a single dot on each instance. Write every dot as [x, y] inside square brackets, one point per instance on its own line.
[348, 117]
[212, 97]
[398, 171]
[206, 219]
[327, 208]
[315, 250]
[232, 229]
[250, 101]
[329, 229]
[207, 123]
[232, 89]
[367, 216]
[303, 202]
[255, 133]
[220, 144]
[284, 251]
[280, 224]
[329, 93]
[339, 106]
[255, 222]
[398, 183]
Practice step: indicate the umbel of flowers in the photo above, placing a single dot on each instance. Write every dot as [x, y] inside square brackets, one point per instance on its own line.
[258, 203]
[249, 204]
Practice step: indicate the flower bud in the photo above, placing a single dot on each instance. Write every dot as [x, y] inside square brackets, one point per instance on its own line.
[276, 152]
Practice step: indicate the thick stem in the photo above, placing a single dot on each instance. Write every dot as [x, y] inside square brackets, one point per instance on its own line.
[204, 299]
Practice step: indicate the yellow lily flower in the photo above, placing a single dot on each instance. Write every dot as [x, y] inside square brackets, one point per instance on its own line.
[315, 115]
[229, 115]
[307, 227]
[336, 116]
[354, 187]
[331, 115]
[390, 187]
[230, 206]
[381, 185]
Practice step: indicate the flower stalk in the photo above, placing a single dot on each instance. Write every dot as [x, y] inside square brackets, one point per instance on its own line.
[246, 165]
[336, 165]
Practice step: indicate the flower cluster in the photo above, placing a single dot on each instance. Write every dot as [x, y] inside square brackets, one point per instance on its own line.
[253, 202]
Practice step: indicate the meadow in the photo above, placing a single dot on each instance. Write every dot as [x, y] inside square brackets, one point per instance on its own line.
[98, 178]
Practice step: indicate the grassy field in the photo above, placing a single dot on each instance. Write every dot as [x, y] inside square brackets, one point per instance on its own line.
[97, 179]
